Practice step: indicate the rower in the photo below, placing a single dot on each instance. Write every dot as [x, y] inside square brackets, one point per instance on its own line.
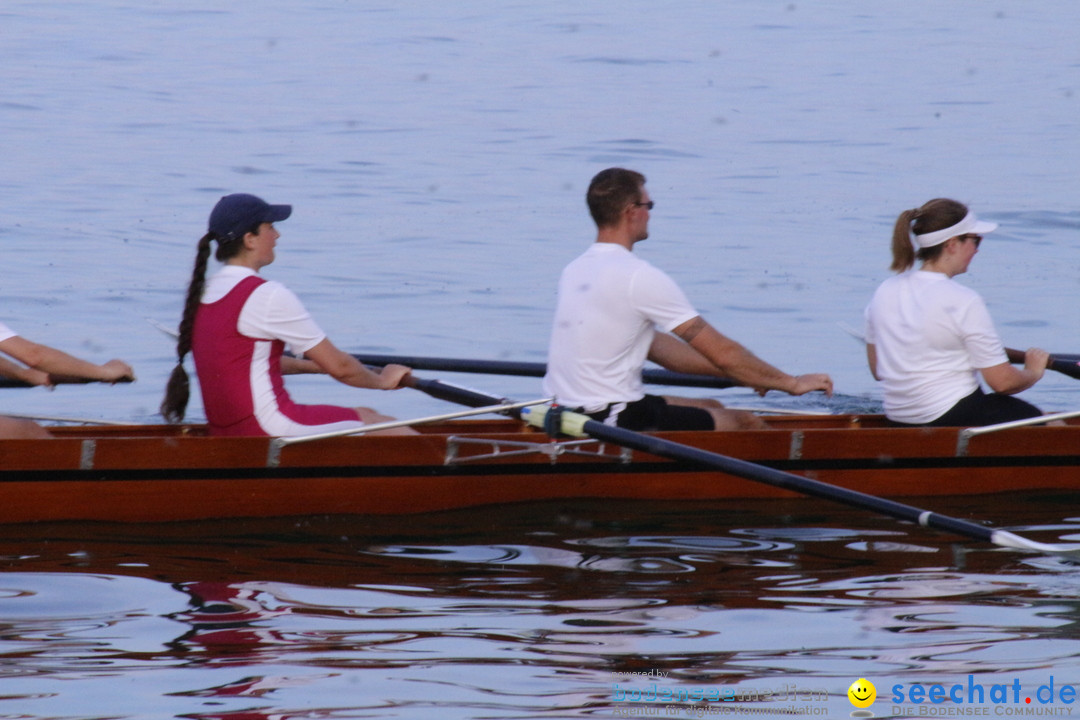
[929, 338]
[236, 325]
[610, 306]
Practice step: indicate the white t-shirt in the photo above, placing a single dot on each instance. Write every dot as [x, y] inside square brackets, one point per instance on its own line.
[609, 306]
[272, 312]
[932, 335]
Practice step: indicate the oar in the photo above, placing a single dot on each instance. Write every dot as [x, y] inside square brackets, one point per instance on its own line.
[577, 425]
[441, 390]
[1063, 363]
[6, 382]
[651, 376]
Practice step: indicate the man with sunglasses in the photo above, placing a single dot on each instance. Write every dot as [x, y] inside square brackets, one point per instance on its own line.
[615, 310]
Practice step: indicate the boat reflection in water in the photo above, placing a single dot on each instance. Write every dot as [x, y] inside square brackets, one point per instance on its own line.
[513, 610]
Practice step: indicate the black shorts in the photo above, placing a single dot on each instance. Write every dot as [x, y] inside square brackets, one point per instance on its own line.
[979, 409]
[653, 412]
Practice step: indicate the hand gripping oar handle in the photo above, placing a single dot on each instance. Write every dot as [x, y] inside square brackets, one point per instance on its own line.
[1062, 363]
[576, 425]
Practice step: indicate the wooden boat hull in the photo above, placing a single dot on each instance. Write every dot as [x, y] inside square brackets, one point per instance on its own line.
[159, 473]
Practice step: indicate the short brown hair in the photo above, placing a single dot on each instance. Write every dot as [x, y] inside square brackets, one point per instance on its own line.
[610, 192]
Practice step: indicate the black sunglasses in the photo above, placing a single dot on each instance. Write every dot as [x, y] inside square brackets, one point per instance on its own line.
[973, 237]
[647, 205]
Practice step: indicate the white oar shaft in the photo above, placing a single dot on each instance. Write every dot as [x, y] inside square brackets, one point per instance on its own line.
[503, 407]
[1037, 420]
[79, 421]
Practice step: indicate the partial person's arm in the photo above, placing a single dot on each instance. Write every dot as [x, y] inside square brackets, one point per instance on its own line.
[1009, 380]
[57, 362]
[736, 362]
[291, 365]
[31, 376]
[344, 368]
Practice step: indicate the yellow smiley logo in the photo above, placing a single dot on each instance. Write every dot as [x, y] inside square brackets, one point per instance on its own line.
[862, 693]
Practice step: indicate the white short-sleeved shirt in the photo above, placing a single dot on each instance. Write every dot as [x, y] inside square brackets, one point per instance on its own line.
[273, 312]
[932, 336]
[6, 333]
[610, 304]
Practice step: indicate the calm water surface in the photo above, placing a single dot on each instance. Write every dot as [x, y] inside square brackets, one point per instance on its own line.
[437, 155]
[532, 611]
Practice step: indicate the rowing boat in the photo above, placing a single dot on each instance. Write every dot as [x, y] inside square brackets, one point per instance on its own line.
[150, 473]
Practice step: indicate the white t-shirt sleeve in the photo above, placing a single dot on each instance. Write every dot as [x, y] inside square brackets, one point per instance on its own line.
[6, 333]
[660, 299]
[869, 332]
[979, 336]
[275, 312]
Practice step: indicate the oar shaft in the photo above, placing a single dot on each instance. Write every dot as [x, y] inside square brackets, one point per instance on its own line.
[576, 425]
[455, 393]
[579, 425]
[652, 376]
[781, 479]
[6, 382]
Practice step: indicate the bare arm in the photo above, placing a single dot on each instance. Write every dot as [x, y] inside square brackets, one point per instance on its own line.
[674, 354]
[299, 366]
[1005, 378]
[57, 362]
[344, 368]
[733, 360]
[15, 371]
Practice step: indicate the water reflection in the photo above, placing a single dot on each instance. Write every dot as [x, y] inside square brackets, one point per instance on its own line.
[515, 610]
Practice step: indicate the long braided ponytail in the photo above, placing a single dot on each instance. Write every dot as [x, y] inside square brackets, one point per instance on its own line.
[178, 389]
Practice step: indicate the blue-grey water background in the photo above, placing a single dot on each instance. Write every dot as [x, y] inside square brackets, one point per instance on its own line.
[437, 156]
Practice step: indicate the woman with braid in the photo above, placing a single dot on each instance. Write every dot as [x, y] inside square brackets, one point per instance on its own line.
[236, 326]
[929, 338]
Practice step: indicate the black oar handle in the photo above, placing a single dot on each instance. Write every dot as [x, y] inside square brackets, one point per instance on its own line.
[530, 369]
[6, 382]
[455, 393]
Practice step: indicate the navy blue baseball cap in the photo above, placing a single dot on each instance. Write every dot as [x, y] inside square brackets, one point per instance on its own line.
[240, 213]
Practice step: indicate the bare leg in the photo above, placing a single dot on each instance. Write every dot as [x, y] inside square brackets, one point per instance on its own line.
[371, 417]
[723, 418]
[20, 428]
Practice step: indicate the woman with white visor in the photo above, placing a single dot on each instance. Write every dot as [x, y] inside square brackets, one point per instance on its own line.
[929, 337]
